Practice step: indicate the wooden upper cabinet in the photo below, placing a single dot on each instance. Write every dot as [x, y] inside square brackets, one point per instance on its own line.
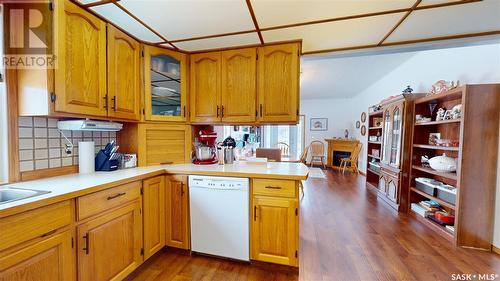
[109, 246]
[278, 80]
[165, 84]
[124, 75]
[177, 230]
[205, 87]
[239, 93]
[51, 259]
[80, 76]
[154, 215]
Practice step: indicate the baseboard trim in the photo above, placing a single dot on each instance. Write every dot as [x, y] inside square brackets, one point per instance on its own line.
[495, 250]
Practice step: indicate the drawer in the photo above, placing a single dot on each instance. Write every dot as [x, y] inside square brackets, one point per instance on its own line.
[283, 188]
[28, 225]
[100, 201]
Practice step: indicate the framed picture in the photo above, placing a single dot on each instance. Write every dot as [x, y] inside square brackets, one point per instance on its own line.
[358, 124]
[318, 124]
[363, 130]
[363, 117]
[377, 122]
[433, 137]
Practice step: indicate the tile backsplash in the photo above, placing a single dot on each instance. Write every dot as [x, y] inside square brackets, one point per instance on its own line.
[41, 145]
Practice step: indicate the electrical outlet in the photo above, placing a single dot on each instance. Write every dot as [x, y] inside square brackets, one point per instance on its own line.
[68, 148]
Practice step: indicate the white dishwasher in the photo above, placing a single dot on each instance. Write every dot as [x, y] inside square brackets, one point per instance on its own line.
[219, 209]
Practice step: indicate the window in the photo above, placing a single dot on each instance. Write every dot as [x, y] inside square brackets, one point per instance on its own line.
[291, 135]
[268, 136]
[4, 159]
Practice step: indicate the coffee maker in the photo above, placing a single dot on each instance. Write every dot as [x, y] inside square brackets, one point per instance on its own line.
[206, 148]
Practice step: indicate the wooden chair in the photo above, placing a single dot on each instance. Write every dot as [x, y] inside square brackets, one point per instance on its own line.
[272, 154]
[302, 159]
[317, 153]
[284, 147]
[352, 160]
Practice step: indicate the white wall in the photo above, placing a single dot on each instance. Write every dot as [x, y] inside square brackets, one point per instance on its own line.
[472, 65]
[336, 110]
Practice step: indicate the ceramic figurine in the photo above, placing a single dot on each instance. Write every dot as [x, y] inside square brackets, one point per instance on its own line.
[456, 112]
[440, 115]
[408, 90]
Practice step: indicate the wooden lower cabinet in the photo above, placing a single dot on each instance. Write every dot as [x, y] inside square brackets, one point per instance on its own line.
[274, 234]
[177, 220]
[153, 215]
[50, 259]
[109, 246]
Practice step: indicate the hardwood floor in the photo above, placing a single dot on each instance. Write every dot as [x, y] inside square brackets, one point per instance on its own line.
[345, 234]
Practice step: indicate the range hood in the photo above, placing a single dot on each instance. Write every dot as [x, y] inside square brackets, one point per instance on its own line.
[89, 125]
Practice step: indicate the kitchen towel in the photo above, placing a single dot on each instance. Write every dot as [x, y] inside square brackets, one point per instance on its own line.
[86, 157]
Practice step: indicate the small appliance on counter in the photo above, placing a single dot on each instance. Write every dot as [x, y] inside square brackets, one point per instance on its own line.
[206, 148]
[228, 147]
[128, 161]
[107, 159]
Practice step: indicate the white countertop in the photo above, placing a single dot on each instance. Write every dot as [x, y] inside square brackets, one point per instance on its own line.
[73, 185]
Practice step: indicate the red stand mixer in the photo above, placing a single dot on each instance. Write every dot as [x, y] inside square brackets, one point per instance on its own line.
[206, 148]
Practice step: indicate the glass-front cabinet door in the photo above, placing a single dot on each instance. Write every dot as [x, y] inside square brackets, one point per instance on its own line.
[396, 130]
[386, 139]
[165, 84]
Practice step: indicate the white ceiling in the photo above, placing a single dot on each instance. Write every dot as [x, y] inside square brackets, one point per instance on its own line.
[176, 20]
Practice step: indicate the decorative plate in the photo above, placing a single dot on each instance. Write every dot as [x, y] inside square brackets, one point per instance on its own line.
[358, 124]
[363, 130]
[363, 117]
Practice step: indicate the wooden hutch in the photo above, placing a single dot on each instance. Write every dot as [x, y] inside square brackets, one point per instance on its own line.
[394, 154]
[475, 135]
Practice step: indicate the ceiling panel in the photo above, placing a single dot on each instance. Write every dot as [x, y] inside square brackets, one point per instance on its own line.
[434, 2]
[276, 12]
[219, 42]
[177, 19]
[460, 19]
[118, 17]
[340, 34]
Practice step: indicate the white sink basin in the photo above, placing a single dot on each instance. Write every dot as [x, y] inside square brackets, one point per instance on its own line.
[9, 194]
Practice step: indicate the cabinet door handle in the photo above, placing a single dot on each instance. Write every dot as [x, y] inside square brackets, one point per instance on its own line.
[48, 233]
[182, 189]
[255, 213]
[106, 102]
[273, 187]
[116, 195]
[86, 249]
[114, 103]
[260, 110]
[222, 112]
[184, 110]
[217, 111]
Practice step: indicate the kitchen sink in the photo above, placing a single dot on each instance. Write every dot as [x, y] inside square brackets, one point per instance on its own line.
[10, 194]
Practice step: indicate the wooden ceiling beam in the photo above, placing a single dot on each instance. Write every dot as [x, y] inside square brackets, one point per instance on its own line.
[374, 14]
[98, 3]
[254, 19]
[214, 36]
[400, 22]
[405, 42]
[145, 25]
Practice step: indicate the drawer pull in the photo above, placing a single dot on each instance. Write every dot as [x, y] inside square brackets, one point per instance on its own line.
[116, 195]
[86, 249]
[48, 233]
[273, 187]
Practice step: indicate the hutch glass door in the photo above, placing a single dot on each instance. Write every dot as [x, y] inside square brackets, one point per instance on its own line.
[386, 137]
[396, 137]
[165, 86]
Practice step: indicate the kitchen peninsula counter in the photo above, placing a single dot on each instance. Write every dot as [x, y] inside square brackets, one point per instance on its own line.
[74, 185]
